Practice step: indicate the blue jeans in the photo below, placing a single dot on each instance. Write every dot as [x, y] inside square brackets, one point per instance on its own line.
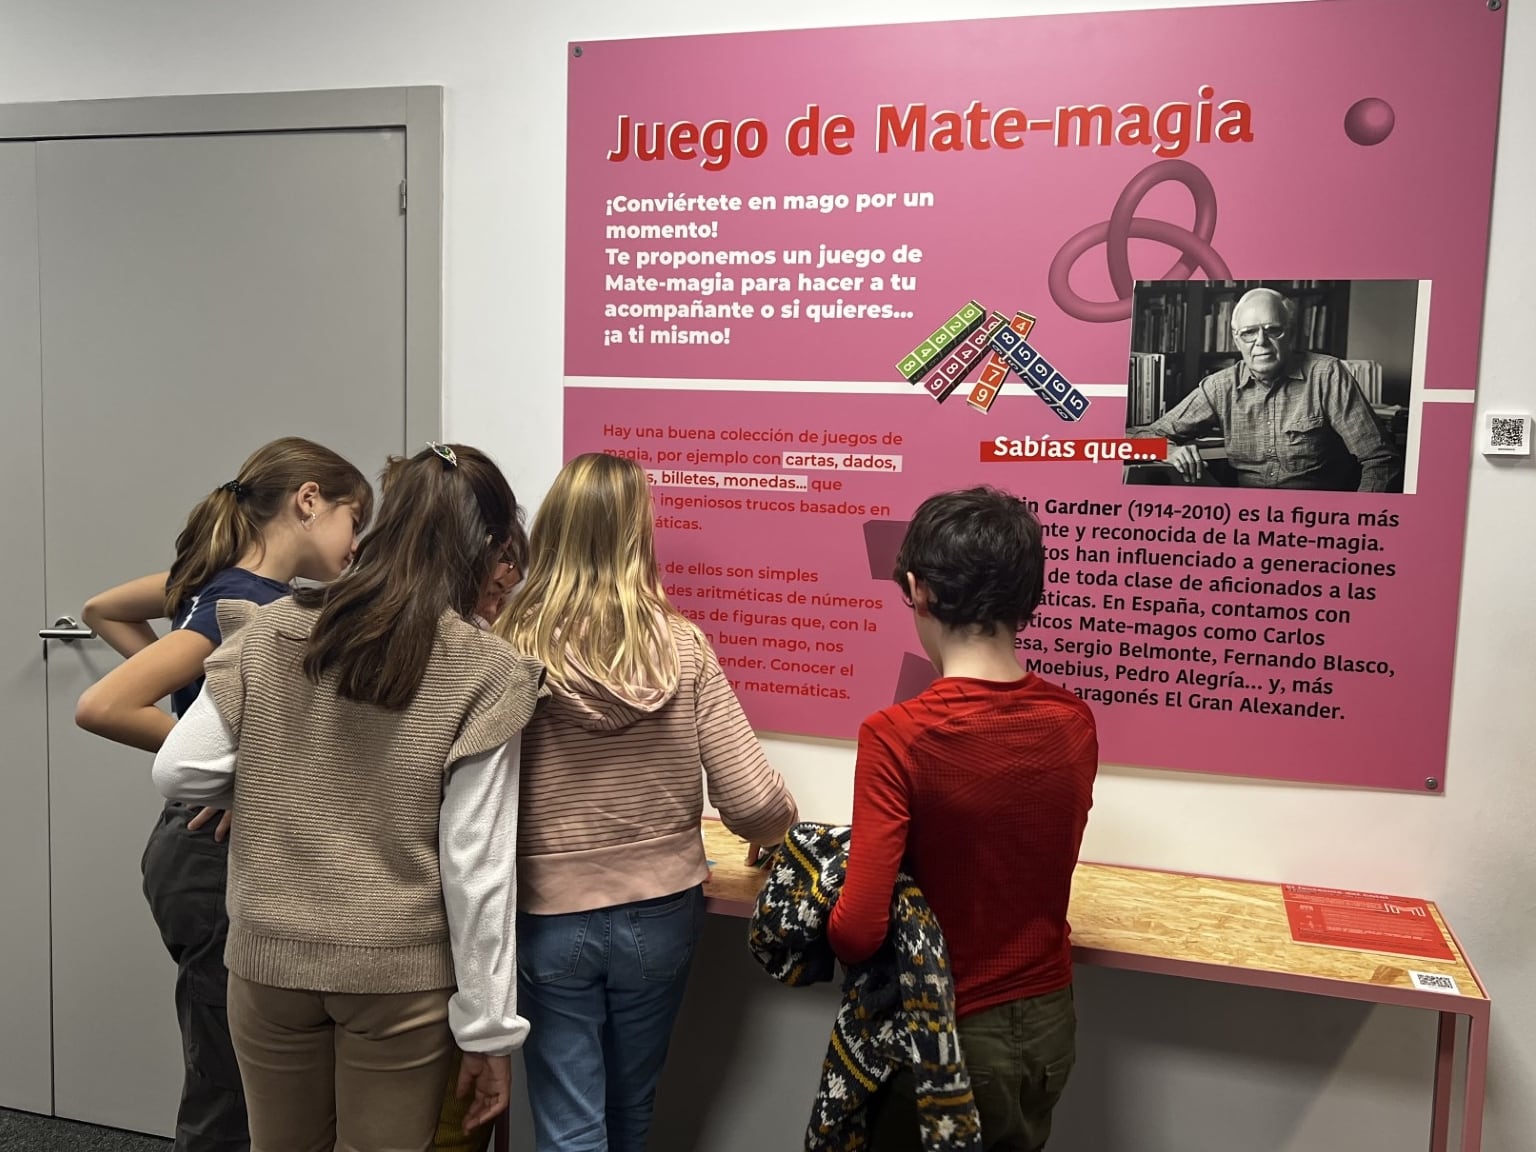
[600, 991]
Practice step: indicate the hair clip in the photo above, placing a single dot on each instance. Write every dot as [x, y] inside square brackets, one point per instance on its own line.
[444, 453]
[239, 490]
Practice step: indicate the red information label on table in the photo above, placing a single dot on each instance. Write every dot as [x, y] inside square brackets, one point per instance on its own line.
[1364, 920]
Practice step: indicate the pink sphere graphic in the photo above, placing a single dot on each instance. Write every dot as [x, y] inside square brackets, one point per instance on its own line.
[1369, 121]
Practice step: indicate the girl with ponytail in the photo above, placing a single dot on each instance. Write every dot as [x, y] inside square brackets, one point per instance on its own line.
[368, 735]
[293, 510]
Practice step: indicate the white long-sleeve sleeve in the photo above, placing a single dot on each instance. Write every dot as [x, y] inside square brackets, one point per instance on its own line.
[477, 847]
[196, 763]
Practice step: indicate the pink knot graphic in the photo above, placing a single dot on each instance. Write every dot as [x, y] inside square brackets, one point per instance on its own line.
[1193, 245]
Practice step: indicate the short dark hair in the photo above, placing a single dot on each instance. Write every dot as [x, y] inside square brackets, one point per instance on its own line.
[979, 553]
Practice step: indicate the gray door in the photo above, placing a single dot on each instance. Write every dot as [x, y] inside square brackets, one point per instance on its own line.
[200, 296]
[24, 992]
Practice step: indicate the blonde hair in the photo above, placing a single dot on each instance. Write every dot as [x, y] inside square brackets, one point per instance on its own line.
[593, 595]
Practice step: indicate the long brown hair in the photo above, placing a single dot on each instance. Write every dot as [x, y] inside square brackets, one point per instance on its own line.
[446, 518]
[230, 520]
[593, 594]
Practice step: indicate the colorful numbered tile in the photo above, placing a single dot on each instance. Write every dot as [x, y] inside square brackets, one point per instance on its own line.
[1005, 340]
[1034, 371]
[974, 347]
[967, 354]
[1022, 364]
[1014, 361]
[1068, 407]
[981, 397]
[957, 324]
[1057, 385]
[1009, 350]
[944, 379]
[966, 321]
[937, 379]
[947, 376]
[993, 375]
[910, 367]
[981, 339]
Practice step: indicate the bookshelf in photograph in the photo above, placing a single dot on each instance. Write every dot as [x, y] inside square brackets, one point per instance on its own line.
[1187, 328]
[1144, 391]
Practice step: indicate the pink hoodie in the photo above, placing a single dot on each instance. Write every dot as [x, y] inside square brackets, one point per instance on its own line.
[613, 783]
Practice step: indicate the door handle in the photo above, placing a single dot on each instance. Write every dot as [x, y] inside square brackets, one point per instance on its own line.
[67, 629]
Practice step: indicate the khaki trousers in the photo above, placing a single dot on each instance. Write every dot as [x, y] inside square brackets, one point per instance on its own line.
[328, 1071]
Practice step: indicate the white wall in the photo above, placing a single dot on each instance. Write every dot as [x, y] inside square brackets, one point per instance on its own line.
[1166, 1065]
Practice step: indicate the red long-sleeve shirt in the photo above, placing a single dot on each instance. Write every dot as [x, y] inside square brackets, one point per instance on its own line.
[981, 789]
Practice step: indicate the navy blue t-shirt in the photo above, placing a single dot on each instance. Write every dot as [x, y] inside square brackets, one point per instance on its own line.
[201, 614]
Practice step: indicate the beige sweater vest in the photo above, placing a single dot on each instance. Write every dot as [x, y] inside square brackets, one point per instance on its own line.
[334, 883]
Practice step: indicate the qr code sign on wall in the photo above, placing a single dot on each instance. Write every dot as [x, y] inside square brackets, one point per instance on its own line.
[1509, 436]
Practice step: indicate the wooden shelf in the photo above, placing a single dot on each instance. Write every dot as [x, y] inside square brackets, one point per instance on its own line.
[1232, 931]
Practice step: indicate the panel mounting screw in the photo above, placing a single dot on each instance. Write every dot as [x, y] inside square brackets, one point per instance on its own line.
[1432, 782]
[1495, 5]
[576, 51]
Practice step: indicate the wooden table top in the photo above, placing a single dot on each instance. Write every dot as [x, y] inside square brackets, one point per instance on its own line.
[1233, 931]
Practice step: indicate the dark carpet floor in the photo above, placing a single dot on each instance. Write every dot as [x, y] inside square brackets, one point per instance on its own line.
[23, 1132]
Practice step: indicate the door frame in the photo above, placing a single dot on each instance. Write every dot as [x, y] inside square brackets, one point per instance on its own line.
[417, 111]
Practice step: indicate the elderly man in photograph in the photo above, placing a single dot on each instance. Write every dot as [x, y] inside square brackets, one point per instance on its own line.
[1290, 419]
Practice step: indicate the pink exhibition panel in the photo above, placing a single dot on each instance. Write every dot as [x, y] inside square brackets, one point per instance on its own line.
[1204, 286]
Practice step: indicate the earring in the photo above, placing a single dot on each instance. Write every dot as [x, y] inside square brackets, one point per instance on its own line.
[309, 521]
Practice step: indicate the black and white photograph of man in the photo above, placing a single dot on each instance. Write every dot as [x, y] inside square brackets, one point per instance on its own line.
[1274, 384]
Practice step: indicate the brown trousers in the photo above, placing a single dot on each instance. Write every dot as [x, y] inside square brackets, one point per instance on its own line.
[328, 1071]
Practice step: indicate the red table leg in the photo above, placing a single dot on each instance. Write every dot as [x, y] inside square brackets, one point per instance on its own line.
[1477, 1081]
[1445, 1063]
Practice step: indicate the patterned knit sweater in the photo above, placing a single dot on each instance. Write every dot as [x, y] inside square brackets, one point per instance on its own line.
[334, 881]
[898, 1007]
